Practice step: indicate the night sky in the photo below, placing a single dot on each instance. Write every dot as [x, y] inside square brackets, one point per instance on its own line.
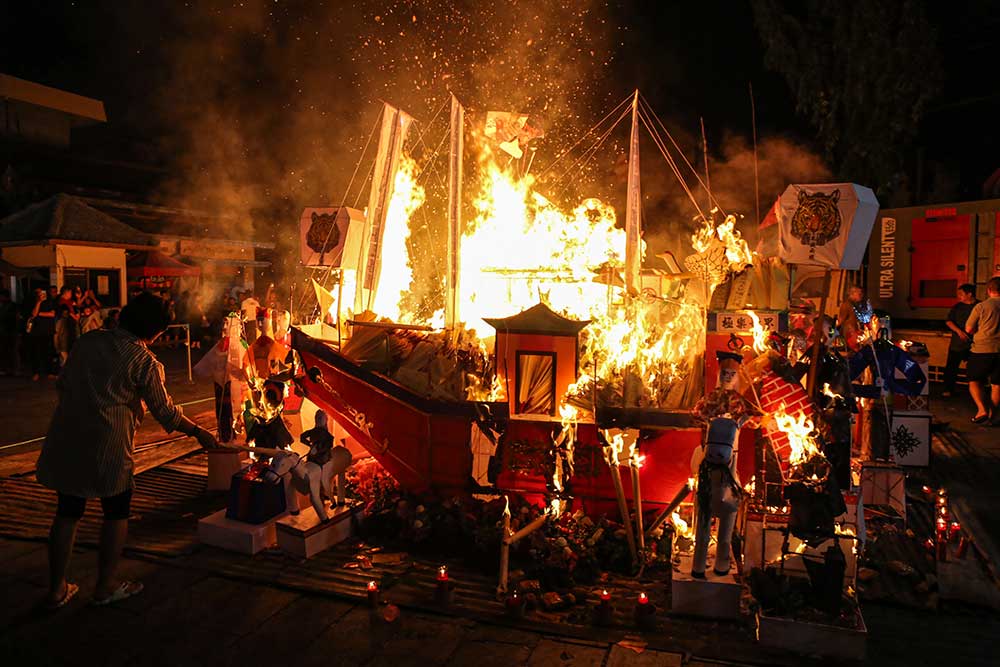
[263, 106]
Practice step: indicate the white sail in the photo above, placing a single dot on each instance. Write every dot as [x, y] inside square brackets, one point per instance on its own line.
[451, 314]
[633, 210]
[395, 123]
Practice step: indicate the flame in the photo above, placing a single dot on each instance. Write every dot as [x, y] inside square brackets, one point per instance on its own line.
[614, 448]
[397, 271]
[519, 249]
[563, 454]
[830, 393]
[721, 250]
[253, 456]
[799, 430]
[555, 508]
[761, 336]
[681, 527]
[635, 459]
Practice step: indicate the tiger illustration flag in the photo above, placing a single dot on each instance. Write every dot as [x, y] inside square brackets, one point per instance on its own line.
[825, 224]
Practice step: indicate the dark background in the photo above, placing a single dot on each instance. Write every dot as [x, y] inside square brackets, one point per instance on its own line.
[258, 108]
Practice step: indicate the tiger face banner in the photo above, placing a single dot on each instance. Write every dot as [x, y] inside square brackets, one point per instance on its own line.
[330, 236]
[826, 224]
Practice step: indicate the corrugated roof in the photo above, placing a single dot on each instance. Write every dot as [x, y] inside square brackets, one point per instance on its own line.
[66, 218]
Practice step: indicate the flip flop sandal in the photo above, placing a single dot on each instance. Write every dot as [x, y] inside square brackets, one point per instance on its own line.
[124, 591]
[981, 419]
[71, 591]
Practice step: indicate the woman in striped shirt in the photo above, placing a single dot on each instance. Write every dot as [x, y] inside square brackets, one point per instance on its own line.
[88, 450]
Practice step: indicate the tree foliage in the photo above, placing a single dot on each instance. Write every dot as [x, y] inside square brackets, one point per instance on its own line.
[862, 73]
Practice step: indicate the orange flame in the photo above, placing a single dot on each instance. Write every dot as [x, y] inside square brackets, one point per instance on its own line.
[799, 431]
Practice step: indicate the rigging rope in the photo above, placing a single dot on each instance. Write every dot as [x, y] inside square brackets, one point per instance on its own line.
[584, 136]
[652, 114]
[343, 200]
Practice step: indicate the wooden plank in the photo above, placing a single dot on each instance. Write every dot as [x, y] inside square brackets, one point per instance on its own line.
[279, 640]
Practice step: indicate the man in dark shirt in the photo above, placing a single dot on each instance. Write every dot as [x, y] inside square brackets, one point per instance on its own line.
[40, 338]
[961, 342]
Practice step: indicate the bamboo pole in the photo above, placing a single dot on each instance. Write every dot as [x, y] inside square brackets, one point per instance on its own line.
[623, 509]
[818, 346]
[669, 509]
[504, 550]
[637, 499]
[528, 529]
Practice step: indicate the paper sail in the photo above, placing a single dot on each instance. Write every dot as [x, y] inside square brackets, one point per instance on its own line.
[327, 235]
[512, 131]
[825, 225]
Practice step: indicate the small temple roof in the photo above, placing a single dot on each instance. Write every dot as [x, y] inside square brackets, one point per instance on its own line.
[539, 319]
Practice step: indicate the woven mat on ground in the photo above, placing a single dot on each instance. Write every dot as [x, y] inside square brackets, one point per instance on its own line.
[167, 503]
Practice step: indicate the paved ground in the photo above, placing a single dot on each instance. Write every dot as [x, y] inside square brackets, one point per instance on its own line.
[26, 405]
[190, 618]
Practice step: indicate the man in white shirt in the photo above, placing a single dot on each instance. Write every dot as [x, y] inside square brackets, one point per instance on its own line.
[249, 307]
[984, 361]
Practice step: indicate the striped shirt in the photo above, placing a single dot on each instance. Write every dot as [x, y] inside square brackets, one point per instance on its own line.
[106, 380]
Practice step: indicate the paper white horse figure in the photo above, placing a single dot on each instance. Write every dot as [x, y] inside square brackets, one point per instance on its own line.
[312, 474]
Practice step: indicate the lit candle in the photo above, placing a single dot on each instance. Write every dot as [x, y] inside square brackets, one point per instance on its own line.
[604, 613]
[444, 586]
[645, 613]
[373, 594]
[928, 491]
[942, 527]
[515, 605]
[955, 530]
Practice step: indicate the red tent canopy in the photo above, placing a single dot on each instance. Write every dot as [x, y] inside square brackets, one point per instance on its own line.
[150, 263]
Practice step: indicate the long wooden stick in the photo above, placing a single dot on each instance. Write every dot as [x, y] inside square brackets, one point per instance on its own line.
[669, 509]
[637, 499]
[623, 509]
[265, 451]
[814, 362]
[504, 552]
[528, 529]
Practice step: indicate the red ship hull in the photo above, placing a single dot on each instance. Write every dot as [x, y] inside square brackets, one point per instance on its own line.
[424, 443]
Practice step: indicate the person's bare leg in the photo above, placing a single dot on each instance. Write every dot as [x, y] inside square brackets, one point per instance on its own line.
[62, 535]
[113, 533]
[995, 399]
[978, 393]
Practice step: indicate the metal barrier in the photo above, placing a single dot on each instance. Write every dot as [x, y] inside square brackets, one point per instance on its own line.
[187, 344]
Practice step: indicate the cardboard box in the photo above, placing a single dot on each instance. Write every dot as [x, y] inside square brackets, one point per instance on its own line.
[917, 422]
[255, 501]
[246, 538]
[304, 535]
[828, 641]
[711, 597]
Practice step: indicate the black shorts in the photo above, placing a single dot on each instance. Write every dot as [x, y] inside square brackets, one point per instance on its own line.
[983, 367]
[116, 508]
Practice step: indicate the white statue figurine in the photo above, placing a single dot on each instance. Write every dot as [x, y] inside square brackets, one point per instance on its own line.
[313, 474]
[723, 412]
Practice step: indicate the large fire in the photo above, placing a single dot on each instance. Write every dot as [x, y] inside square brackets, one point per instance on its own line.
[520, 249]
[397, 269]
